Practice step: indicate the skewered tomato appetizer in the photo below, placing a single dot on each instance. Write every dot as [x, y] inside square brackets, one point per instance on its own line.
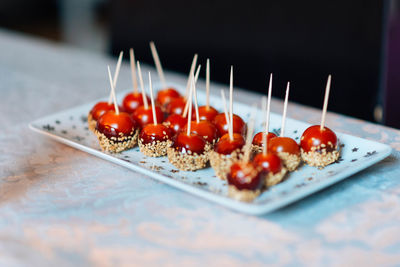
[319, 147]
[258, 139]
[226, 146]
[95, 113]
[239, 126]
[207, 113]
[272, 166]
[188, 151]
[176, 106]
[166, 95]
[287, 149]
[175, 122]
[144, 116]
[225, 153]
[154, 139]
[132, 101]
[245, 181]
[116, 132]
[205, 129]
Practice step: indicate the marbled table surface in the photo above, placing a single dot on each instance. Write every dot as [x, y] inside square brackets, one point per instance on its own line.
[62, 207]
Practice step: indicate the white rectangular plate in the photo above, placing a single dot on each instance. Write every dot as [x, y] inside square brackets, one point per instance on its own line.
[70, 127]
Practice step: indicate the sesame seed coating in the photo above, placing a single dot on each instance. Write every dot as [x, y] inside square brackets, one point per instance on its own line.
[272, 179]
[155, 148]
[256, 149]
[244, 195]
[291, 161]
[91, 122]
[222, 163]
[186, 161]
[319, 157]
[119, 144]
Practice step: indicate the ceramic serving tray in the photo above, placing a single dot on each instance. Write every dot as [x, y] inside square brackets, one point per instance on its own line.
[70, 127]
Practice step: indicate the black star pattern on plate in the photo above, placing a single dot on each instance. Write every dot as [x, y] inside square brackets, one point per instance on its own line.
[369, 154]
[300, 185]
[48, 127]
[354, 149]
[84, 119]
[340, 159]
[79, 138]
[276, 131]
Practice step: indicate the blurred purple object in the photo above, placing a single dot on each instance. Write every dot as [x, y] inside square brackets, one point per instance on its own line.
[392, 91]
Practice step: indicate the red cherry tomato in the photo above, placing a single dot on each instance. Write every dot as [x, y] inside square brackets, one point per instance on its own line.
[207, 114]
[283, 144]
[101, 108]
[132, 101]
[226, 146]
[205, 129]
[176, 122]
[236, 137]
[166, 95]
[239, 126]
[192, 142]
[155, 132]
[269, 162]
[257, 139]
[112, 124]
[244, 175]
[314, 137]
[145, 116]
[176, 106]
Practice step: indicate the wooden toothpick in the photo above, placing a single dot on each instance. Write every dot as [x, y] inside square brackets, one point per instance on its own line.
[284, 110]
[195, 101]
[192, 68]
[230, 131]
[158, 64]
[190, 107]
[145, 103]
[268, 113]
[185, 110]
[208, 84]
[196, 76]
[113, 91]
[264, 133]
[326, 98]
[153, 107]
[133, 70]
[116, 73]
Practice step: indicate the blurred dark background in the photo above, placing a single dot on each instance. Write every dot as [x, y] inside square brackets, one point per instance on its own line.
[358, 42]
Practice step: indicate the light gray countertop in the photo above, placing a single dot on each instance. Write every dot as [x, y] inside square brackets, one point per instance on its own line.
[62, 206]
